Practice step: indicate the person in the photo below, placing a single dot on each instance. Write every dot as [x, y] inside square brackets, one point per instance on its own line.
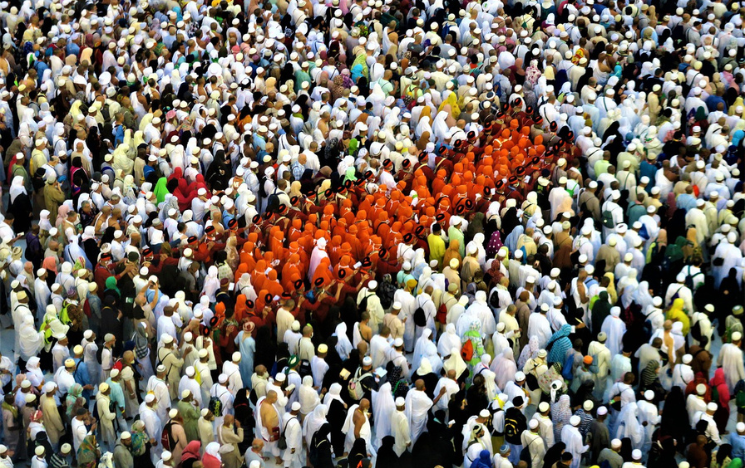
[400, 428]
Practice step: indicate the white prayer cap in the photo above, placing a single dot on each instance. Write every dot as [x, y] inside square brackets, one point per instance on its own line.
[700, 389]
[687, 358]
[712, 406]
[280, 377]
[533, 424]
[575, 420]
[602, 411]
[544, 406]
[736, 336]
[615, 443]
[166, 455]
[740, 427]
[295, 406]
[167, 339]
[588, 405]
[190, 371]
[649, 395]
[636, 454]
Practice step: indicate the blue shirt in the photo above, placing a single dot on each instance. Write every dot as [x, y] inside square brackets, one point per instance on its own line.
[117, 393]
[738, 445]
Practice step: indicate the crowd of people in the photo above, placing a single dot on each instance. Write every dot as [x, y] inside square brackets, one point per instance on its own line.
[372, 233]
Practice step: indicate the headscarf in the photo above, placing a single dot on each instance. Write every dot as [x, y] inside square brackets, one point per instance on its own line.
[191, 451]
[314, 421]
[75, 392]
[561, 344]
[455, 362]
[308, 396]
[213, 449]
[343, 345]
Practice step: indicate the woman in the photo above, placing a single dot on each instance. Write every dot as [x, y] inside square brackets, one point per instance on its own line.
[308, 397]
[722, 458]
[719, 388]
[628, 426]
[88, 453]
[320, 450]
[650, 379]
[20, 205]
[313, 422]
[559, 344]
[383, 408]
[675, 423]
[337, 414]
[190, 455]
[356, 454]
[425, 373]
[247, 347]
[141, 446]
[553, 455]
[386, 456]
[211, 458]
[74, 400]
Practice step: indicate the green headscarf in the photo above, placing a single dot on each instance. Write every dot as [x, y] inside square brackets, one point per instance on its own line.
[161, 190]
[111, 284]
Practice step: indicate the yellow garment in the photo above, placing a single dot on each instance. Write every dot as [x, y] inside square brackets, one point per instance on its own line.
[452, 101]
[612, 294]
[436, 249]
[677, 314]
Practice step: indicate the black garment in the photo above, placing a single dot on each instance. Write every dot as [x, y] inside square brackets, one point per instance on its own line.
[442, 438]
[266, 348]
[110, 323]
[357, 454]
[21, 209]
[553, 455]
[336, 416]
[674, 423]
[514, 418]
[320, 448]
[477, 400]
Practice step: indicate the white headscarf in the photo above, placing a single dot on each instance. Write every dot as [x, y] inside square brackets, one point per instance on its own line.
[343, 345]
[314, 421]
[333, 394]
[448, 341]
[308, 395]
[383, 408]
[455, 362]
[213, 448]
[17, 188]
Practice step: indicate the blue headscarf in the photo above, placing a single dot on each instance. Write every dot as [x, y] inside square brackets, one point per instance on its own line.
[484, 460]
[560, 344]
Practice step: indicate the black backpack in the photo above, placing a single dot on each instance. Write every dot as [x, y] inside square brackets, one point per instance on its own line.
[362, 306]
[304, 369]
[420, 318]
[386, 293]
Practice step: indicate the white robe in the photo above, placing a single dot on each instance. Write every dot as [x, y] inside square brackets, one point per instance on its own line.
[417, 406]
[348, 429]
[573, 439]
[730, 358]
[614, 328]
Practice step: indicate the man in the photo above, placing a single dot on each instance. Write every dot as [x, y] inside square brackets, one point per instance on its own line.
[736, 440]
[357, 425]
[573, 439]
[122, 452]
[730, 359]
[418, 405]
[5, 461]
[514, 425]
[546, 426]
[169, 357]
[187, 409]
[253, 456]
[533, 443]
[58, 460]
[268, 422]
[712, 432]
[106, 417]
[52, 419]
[318, 365]
[400, 428]
[206, 427]
[696, 453]
[159, 388]
[153, 424]
[598, 434]
[612, 455]
[294, 437]
[601, 358]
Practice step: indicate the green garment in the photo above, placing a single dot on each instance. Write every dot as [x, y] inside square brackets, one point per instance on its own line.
[161, 190]
[191, 419]
[457, 234]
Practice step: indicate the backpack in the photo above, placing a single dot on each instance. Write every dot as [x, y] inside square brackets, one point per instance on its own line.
[740, 399]
[420, 318]
[689, 279]
[282, 442]
[304, 369]
[166, 437]
[355, 385]
[608, 219]
[215, 406]
[466, 351]
[362, 306]
[510, 428]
